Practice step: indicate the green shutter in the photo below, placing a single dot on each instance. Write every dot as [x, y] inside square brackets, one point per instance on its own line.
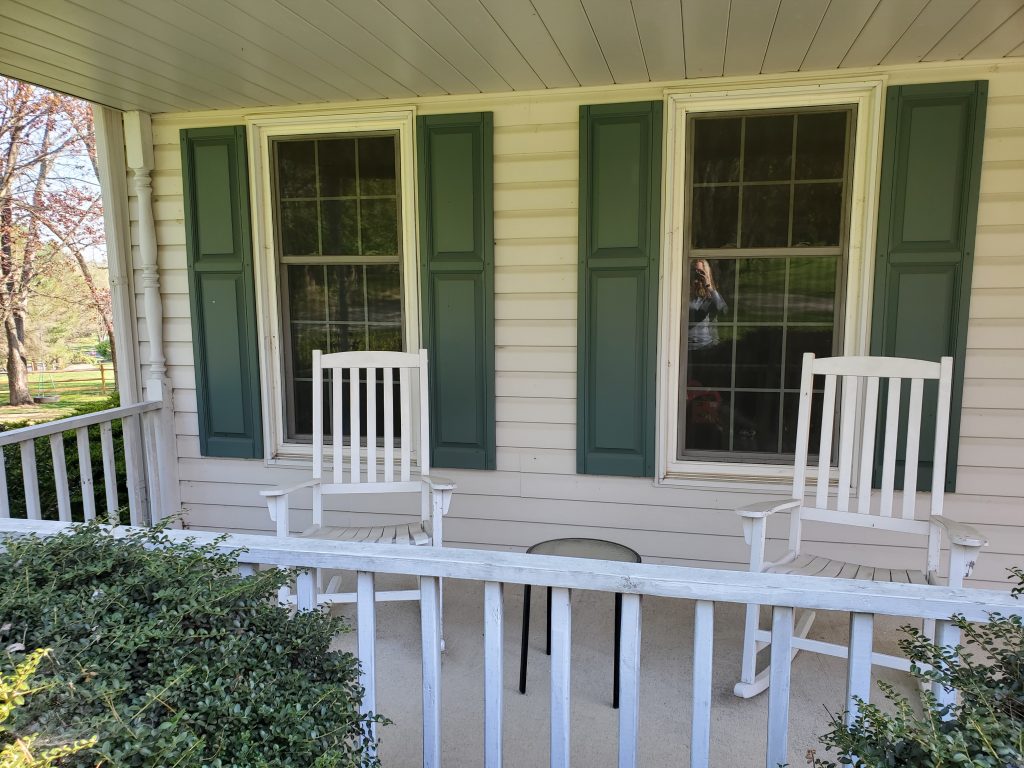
[220, 281]
[620, 212]
[457, 259]
[931, 167]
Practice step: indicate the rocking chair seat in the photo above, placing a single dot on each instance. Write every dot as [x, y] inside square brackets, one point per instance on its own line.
[814, 565]
[416, 534]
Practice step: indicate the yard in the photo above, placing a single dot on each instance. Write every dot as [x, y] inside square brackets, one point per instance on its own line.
[74, 387]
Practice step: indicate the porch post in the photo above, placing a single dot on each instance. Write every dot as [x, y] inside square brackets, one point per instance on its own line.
[139, 152]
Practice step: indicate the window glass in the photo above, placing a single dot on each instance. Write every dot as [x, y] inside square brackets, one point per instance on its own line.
[767, 203]
[338, 249]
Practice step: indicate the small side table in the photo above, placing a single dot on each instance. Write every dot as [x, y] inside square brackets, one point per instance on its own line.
[594, 549]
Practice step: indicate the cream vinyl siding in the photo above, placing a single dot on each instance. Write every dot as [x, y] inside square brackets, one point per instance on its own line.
[535, 493]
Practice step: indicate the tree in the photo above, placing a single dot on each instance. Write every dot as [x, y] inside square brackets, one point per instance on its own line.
[50, 208]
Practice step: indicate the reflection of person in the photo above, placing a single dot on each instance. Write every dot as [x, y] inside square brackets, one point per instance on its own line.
[706, 304]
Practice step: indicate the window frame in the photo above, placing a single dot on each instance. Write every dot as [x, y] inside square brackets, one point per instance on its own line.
[278, 449]
[852, 331]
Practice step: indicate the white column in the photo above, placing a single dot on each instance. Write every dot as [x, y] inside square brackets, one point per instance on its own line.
[139, 153]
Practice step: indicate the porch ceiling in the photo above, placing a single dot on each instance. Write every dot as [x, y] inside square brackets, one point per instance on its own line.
[180, 55]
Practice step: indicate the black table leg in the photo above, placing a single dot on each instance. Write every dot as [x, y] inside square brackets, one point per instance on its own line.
[618, 645]
[526, 635]
[547, 644]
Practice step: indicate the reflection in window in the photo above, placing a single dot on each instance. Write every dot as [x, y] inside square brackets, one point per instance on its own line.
[768, 207]
[338, 248]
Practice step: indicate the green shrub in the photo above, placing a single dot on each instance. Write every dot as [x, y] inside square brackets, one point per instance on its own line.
[984, 729]
[171, 659]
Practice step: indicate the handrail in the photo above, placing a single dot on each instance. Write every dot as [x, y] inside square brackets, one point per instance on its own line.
[770, 589]
[15, 436]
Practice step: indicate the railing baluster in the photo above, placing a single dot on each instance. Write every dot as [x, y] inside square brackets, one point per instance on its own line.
[60, 477]
[561, 647]
[31, 479]
[109, 471]
[151, 424]
[494, 654]
[305, 590]
[703, 647]
[858, 670]
[5, 500]
[629, 681]
[778, 686]
[430, 626]
[85, 473]
[136, 483]
[366, 643]
[245, 570]
[947, 635]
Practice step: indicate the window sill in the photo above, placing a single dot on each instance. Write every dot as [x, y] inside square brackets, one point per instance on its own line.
[721, 475]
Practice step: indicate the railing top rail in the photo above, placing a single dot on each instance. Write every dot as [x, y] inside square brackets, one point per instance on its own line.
[75, 422]
[929, 602]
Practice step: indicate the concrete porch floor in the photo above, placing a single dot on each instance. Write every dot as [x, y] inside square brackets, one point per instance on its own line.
[738, 728]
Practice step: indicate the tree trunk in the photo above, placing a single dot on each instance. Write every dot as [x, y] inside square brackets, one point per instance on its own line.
[17, 366]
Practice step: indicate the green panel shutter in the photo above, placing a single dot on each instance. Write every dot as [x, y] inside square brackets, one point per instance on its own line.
[220, 281]
[457, 259]
[620, 212]
[931, 167]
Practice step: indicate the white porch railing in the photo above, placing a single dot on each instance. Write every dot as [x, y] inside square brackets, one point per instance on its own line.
[782, 592]
[139, 425]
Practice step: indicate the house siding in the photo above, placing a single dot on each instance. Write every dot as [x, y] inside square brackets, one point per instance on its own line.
[535, 494]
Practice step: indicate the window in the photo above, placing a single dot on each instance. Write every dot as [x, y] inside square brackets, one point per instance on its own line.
[338, 234]
[764, 261]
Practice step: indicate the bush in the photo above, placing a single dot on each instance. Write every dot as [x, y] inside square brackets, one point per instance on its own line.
[171, 659]
[985, 728]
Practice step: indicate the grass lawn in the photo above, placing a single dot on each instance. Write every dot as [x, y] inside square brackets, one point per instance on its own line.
[74, 388]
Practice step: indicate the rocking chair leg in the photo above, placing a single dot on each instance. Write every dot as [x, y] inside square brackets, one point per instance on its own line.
[758, 682]
[525, 641]
[547, 642]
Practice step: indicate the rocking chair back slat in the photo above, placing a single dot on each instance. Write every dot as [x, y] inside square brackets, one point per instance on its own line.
[404, 427]
[371, 425]
[913, 446]
[355, 436]
[389, 425]
[892, 423]
[941, 437]
[867, 446]
[828, 411]
[851, 389]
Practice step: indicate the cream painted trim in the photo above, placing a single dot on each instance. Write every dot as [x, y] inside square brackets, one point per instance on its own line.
[268, 315]
[868, 96]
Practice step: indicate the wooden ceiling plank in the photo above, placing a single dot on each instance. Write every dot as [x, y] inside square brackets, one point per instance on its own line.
[48, 57]
[888, 22]
[526, 30]
[1002, 41]
[660, 23]
[980, 22]
[1018, 51]
[750, 30]
[569, 26]
[481, 35]
[328, 69]
[705, 28]
[934, 22]
[101, 33]
[615, 26]
[793, 33]
[842, 24]
[34, 73]
[416, 20]
[73, 49]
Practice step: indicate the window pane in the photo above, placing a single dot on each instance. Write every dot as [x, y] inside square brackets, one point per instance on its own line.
[710, 364]
[385, 338]
[820, 145]
[715, 217]
[755, 425]
[765, 216]
[298, 228]
[348, 338]
[768, 148]
[383, 293]
[340, 231]
[758, 356]
[761, 291]
[296, 174]
[378, 227]
[305, 338]
[337, 167]
[707, 419]
[345, 300]
[817, 214]
[790, 419]
[716, 150]
[801, 339]
[812, 290]
[307, 293]
[377, 166]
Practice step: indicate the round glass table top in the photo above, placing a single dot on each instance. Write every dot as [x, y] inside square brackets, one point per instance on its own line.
[595, 549]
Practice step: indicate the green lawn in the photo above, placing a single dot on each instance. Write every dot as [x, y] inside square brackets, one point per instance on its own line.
[74, 388]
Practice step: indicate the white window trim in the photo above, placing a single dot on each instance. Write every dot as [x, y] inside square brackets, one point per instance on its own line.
[868, 96]
[268, 308]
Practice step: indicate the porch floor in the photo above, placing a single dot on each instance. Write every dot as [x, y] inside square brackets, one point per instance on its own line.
[738, 726]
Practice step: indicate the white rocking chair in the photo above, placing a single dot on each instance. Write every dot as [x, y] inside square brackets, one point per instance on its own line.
[361, 466]
[832, 505]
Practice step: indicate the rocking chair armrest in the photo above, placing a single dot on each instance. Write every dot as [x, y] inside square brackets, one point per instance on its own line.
[765, 508]
[960, 534]
[436, 483]
[276, 492]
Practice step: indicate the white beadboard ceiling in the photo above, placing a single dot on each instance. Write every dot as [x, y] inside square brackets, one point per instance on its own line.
[182, 55]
